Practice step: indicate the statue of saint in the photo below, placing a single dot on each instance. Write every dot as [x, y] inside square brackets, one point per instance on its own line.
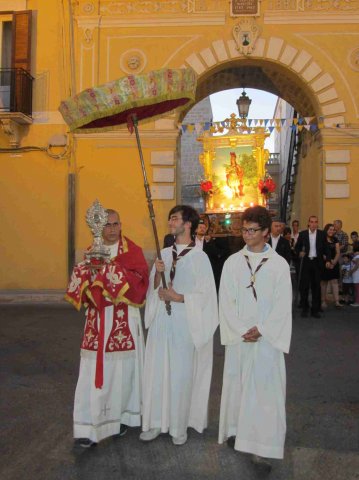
[234, 176]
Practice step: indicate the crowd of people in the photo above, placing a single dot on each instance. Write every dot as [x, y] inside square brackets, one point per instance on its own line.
[194, 286]
[324, 262]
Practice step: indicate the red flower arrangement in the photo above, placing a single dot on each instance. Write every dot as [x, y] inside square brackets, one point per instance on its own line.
[266, 186]
[206, 186]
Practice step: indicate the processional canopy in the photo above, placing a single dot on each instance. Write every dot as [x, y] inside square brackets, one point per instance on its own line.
[147, 96]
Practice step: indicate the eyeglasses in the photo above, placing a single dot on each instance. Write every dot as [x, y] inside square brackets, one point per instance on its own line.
[114, 224]
[250, 231]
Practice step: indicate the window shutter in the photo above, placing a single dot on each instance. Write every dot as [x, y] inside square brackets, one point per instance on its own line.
[21, 40]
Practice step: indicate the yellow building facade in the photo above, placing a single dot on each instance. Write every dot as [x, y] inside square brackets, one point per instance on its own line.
[306, 53]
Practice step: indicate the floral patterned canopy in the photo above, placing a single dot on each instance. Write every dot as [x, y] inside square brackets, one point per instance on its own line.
[108, 106]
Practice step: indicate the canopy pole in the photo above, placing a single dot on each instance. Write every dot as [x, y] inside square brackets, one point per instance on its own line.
[134, 122]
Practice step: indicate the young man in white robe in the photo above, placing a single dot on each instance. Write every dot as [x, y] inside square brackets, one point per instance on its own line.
[255, 308]
[179, 348]
[108, 395]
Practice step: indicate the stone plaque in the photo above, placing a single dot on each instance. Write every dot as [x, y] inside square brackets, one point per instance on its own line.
[244, 7]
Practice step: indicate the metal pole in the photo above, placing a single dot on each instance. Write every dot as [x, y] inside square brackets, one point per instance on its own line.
[150, 205]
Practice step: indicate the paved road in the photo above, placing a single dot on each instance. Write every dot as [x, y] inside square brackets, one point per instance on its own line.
[39, 355]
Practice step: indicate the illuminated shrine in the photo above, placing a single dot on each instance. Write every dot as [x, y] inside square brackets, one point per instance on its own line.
[235, 176]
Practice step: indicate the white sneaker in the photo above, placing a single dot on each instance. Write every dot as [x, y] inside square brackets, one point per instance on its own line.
[150, 434]
[354, 304]
[181, 440]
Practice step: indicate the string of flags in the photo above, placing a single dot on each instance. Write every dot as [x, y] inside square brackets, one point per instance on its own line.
[270, 124]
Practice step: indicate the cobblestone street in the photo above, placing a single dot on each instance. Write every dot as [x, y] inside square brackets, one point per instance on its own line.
[39, 366]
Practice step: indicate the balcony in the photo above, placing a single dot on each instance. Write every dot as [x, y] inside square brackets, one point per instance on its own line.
[16, 91]
[15, 102]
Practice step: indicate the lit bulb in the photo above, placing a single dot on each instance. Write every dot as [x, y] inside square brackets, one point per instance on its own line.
[222, 206]
[251, 204]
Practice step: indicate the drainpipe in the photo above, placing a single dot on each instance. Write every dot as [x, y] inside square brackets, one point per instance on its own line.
[71, 177]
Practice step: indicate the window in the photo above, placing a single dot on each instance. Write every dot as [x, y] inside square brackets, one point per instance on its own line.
[15, 62]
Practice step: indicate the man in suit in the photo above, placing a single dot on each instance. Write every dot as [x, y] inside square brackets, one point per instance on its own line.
[312, 250]
[278, 243]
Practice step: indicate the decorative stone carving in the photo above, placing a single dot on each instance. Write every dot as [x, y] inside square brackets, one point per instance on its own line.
[88, 36]
[88, 8]
[245, 34]
[133, 61]
[353, 59]
[137, 7]
[12, 130]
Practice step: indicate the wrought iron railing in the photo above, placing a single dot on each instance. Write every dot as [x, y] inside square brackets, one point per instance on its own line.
[287, 190]
[16, 91]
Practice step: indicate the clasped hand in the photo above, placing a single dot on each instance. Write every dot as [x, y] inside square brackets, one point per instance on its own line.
[166, 294]
[252, 335]
[169, 294]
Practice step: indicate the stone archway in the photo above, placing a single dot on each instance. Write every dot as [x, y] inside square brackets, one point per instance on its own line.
[284, 71]
[275, 66]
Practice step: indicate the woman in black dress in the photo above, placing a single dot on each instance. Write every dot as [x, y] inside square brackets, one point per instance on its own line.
[330, 274]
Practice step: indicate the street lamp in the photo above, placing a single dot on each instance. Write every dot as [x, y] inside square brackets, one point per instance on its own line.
[243, 104]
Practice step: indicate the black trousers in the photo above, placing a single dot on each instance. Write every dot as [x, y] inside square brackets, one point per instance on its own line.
[310, 279]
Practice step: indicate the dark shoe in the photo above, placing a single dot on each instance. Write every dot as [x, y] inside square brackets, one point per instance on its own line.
[261, 463]
[85, 443]
[316, 315]
[231, 441]
[304, 314]
[123, 430]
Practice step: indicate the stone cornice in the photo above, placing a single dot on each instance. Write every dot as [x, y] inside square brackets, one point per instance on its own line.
[150, 21]
[340, 136]
[309, 18]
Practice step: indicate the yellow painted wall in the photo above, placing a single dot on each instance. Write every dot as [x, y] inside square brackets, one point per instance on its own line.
[114, 176]
[33, 218]
[308, 187]
[346, 209]
[33, 193]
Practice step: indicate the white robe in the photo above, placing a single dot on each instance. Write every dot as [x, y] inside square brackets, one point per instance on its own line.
[99, 413]
[254, 379]
[179, 348]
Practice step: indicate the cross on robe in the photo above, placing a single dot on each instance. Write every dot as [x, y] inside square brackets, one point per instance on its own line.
[105, 409]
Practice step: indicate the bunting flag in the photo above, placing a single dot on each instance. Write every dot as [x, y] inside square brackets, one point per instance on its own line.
[269, 125]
